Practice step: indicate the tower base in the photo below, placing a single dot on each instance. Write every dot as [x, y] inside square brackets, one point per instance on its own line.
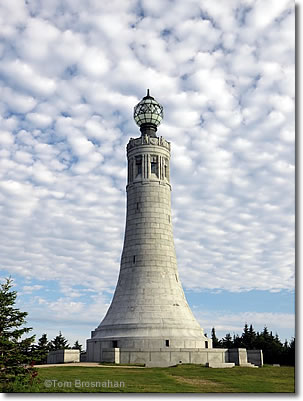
[98, 351]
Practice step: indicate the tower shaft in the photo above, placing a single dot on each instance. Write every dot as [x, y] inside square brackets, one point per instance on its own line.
[149, 309]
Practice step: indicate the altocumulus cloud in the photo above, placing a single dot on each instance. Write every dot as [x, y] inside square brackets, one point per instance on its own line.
[71, 73]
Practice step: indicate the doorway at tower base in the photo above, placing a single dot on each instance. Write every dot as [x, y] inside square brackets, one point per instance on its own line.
[164, 357]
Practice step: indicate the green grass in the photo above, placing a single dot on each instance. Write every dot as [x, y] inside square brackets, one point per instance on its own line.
[180, 379]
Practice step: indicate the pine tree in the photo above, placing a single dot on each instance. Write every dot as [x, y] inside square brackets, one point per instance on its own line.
[292, 352]
[273, 349]
[237, 341]
[248, 338]
[271, 346]
[59, 342]
[227, 341]
[216, 342]
[265, 334]
[258, 341]
[15, 355]
[77, 346]
[252, 337]
[43, 342]
[41, 349]
[245, 336]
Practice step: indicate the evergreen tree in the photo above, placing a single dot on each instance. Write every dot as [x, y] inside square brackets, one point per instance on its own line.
[248, 338]
[292, 353]
[245, 338]
[43, 342]
[227, 341]
[252, 338]
[77, 346]
[265, 334]
[258, 341]
[14, 353]
[41, 350]
[237, 341]
[273, 349]
[59, 342]
[216, 342]
[285, 353]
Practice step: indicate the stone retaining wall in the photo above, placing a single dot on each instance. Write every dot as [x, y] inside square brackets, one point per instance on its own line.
[163, 357]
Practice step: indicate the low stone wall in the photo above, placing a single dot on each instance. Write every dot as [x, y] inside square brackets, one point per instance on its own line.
[163, 357]
[63, 356]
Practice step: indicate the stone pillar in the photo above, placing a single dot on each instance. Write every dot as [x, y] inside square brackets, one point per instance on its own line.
[238, 356]
[255, 356]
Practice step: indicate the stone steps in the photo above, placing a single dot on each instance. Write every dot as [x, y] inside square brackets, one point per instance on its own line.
[248, 365]
[220, 364]
[229, 365]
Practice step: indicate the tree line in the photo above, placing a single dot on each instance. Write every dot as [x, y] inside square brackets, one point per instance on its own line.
[38, 352]
[274, 351]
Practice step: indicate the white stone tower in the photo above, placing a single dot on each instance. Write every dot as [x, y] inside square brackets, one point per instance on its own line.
[149, 310]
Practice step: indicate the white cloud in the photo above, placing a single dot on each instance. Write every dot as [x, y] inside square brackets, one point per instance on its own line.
[17, 102]
[71, 74]
[6, 138]
[264, 14]
[26, 78]
[39, 120]
[94, 63]
[28, 289]
[12, 14]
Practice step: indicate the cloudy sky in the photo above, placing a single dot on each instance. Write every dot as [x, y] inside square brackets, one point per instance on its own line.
[71, 72]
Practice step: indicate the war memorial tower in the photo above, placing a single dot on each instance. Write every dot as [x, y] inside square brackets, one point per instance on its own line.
[149, 320]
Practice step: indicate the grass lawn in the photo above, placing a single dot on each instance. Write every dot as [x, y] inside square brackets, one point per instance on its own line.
[179, 379]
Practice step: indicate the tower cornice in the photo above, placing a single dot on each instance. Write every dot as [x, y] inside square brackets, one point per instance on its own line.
[147, 140]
